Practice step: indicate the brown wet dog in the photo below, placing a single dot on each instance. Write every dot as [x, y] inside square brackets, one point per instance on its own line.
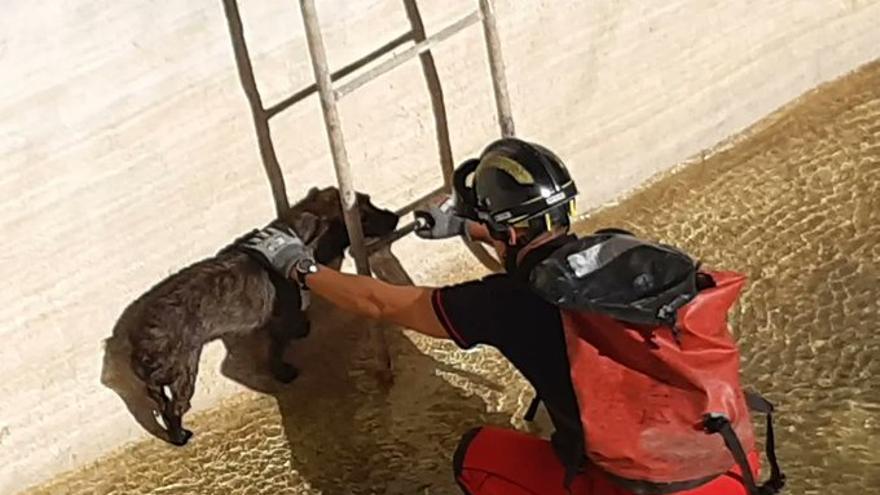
[232, 294]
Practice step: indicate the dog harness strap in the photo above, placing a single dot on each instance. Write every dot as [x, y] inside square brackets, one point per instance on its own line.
[305, 298]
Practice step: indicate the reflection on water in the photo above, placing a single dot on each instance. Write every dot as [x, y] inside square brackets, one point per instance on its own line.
[796, 205]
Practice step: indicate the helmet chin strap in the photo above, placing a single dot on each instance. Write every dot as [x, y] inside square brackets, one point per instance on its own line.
[510, 259]
[512, 252]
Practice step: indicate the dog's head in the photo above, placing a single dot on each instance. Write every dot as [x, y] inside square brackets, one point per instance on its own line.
[318, 221]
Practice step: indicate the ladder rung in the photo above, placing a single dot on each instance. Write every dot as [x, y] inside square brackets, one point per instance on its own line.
[427, 198]
[407, 54]
[377, 244]
[339, 74]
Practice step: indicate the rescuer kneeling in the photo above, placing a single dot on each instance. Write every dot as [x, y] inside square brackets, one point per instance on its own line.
[624, 340]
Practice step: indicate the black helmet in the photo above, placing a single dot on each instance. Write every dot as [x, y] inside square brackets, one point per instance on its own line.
[515, 184]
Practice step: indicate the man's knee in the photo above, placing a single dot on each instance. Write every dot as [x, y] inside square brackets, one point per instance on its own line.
[498, 461]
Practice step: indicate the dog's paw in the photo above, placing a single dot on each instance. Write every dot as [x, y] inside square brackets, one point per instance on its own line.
[284, 373]
[303, 331]
[181, 437]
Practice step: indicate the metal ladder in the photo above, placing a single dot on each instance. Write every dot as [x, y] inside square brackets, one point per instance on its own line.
[329, 95]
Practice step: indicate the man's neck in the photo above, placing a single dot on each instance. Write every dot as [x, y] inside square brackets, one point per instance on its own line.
[535, 252]
[539, 241]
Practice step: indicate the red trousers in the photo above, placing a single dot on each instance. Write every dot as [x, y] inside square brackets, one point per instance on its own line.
[496, 461]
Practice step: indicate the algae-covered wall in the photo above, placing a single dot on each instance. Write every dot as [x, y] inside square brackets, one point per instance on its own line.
[128, 150]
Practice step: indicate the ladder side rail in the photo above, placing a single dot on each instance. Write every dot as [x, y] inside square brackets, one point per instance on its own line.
[260, 118]
[496, 68]
[347, 195]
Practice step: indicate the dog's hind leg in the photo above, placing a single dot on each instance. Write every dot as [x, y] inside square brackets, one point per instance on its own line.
[281, 332]
[288, 322]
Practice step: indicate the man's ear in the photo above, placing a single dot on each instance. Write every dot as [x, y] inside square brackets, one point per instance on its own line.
[306, 226]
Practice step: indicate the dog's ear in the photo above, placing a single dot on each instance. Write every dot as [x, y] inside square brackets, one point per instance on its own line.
[306, 225]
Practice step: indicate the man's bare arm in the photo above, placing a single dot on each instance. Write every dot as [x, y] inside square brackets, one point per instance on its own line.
[402, 305]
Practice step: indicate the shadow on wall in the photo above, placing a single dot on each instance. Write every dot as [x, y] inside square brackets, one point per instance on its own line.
[347, 433]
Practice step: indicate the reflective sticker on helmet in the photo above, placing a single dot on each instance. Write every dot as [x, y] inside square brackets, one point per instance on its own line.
[513, 168]
[556, 198]
[503, 216]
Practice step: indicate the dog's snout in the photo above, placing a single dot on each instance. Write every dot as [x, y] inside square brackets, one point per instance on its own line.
[377, 222]
[388, 221]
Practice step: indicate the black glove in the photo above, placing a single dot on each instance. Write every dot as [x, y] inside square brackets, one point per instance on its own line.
[440, 222]
[282, 250]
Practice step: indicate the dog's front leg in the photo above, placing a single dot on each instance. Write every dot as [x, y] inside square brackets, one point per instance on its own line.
[177, 434]
[180, 393]
[163, 396]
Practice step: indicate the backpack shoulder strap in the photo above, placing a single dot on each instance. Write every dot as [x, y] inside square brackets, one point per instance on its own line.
[533, 408]
[758, 403]
[718, 423]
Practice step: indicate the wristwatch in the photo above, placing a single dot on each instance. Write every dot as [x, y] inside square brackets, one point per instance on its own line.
[302, 269]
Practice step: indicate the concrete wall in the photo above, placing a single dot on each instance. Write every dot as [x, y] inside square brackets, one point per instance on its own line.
[127, 147]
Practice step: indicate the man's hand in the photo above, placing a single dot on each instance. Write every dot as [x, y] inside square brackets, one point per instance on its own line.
[278, 248]
[440, 222]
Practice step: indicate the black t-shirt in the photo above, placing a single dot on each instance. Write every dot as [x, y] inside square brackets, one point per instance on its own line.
[501, 311]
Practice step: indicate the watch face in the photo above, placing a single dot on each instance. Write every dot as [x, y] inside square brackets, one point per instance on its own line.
[306, 266]
[302, 268]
